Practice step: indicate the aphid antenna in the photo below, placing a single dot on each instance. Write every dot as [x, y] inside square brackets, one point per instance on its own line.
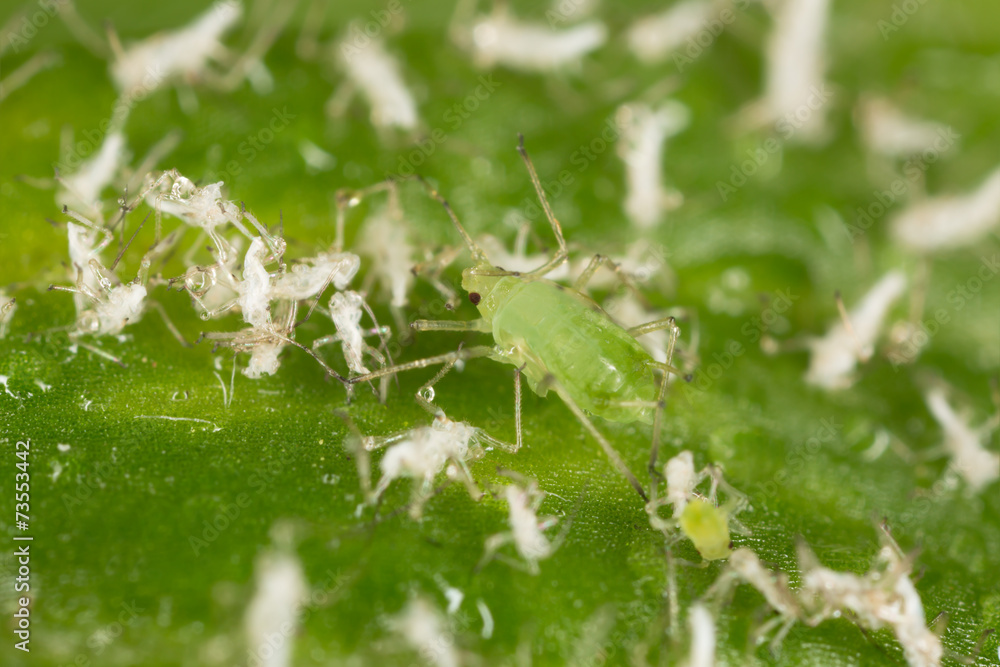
[477, 253]
[863, 354]
[562, 253]
[86, 35]
[124, 248]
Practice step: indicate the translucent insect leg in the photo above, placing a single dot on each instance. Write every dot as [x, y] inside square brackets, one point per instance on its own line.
[86, 35]
[171, 327]
[463, 354]
[661, 389]
[480, 325]
[490, 551]
[346, 198]
[562, 253]
[610, 451]
[100, 229]
[485, 438]
[425, 395]
[355, 444]
[477, 253]
[160, 149]
[307, 45]
[269, 30]
[596, 262]
[101, 353]
[20, 76]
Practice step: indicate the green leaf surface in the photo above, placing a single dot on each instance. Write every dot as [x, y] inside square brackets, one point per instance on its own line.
[151, 498]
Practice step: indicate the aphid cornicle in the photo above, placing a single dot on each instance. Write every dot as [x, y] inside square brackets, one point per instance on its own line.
[558, 338]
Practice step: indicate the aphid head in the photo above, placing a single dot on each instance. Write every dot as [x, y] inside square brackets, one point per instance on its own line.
[480, 281]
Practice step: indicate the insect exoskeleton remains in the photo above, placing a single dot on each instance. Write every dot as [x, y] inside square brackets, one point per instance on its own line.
[558, 338]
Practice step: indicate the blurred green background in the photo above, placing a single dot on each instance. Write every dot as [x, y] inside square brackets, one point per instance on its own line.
[116, 500]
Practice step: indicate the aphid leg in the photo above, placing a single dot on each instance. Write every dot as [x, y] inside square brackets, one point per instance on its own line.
[171, 327]
[863, 353]
[269, 30]
[610, 451]
[462, 354]
[307, 45]
[86, 35]
[480, 325]
[355, 444]
[22, 74]
[431, 270]
[425, 395]
[160, 149]
[596, 262]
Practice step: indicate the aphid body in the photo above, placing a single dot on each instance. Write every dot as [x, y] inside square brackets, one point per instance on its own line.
[182, 54]
[558, 338]
[549, 329]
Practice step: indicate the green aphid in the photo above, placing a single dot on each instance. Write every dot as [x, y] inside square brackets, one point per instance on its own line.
[707, 526]
[558, 338]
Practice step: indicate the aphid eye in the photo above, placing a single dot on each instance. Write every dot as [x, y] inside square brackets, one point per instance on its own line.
[474, 298]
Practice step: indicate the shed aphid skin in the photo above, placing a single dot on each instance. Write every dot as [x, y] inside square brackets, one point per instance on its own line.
[653, 38]
[641, 149]
[884, 597]
[274, 614]
[744, 566]
[104, 304]
[7, 308]
[346, 310]
[698, 516]
[702, 626]
[527, 529]
[426, 631]
[851, 339]
[796, 91]
[371, 70]
[271, 320]
[176, 195]
[978, 466]
[422, 453]
[185, 56]
[949, 221]
[558, 338]
[888, 131]
[82, 189]
[499, 39]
